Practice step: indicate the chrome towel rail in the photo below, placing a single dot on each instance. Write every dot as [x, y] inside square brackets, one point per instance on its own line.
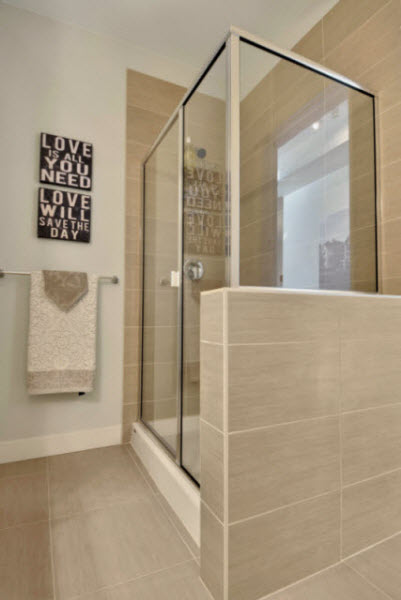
[110, 278]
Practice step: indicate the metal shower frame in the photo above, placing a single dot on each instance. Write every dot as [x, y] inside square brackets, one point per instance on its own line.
[231, 44]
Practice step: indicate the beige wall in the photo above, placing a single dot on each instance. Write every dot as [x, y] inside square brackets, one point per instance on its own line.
[150, 102]
[300, 434]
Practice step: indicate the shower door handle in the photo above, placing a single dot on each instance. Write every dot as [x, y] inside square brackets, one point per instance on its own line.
[174, 280]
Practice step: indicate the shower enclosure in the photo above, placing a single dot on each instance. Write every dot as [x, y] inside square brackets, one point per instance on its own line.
[263, 176]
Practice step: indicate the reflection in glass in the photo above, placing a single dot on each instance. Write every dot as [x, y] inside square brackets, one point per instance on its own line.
[307, 178]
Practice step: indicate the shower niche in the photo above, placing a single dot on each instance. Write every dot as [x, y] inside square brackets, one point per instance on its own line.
[265, 175]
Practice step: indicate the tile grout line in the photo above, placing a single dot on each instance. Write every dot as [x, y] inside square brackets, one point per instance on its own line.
[372, 585]
[226, 507]
[155, 494]
[367, 548]
[133, 580]
[285, 506]
[52, 562]
[349, 485]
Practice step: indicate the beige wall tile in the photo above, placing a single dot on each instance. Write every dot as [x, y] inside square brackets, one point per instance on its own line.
[367, 44]
[132, 376]
[370, 372]
[368, 318]
[144, 126]
[161, 238]
[161, 307]
[391, 190]
[332, 584]
[133, 308]
[371, 512]
[159, 380]
[258, 168]
[294, 543]
[278, 383]
[390, 135]
[160, 344]
[371, 443]
[262, 95]
[383, 78]
[136, 152]
[130, 413]
[277, 466]
[362, 201]
[258, 204]
[132, 345]
[259, 270]
[381, 566]
[345, 18]
[26, 563]
[133, 274]
[212, 469]
[212, 317]
[392, 286]
[258, 238]
[151, 93]
[133, 197]
[211, 389]
[23, 499]
[268, 317]
[311, 45]
[212, 553]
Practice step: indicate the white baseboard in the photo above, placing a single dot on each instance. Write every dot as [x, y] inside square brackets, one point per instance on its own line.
[180, 492]
[60, 443]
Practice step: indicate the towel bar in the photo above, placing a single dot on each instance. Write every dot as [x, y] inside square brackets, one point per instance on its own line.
[111, 278]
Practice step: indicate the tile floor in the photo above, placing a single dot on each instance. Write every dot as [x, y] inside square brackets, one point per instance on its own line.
[92, 526]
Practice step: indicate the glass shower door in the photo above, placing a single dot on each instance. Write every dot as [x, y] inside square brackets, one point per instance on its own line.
[161, 368]
[204, 239]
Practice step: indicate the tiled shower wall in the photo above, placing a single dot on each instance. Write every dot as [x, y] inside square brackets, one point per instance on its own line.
[150, 102]
[300, 434]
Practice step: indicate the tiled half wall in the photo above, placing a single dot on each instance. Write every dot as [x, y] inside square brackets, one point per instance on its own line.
[300, 434]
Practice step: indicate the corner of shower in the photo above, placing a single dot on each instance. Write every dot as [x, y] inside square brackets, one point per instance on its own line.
[265, 175]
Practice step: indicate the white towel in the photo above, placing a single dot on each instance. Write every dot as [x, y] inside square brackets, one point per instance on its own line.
[61, 344]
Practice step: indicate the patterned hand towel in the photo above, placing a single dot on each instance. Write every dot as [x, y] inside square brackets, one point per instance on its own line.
[62, 332]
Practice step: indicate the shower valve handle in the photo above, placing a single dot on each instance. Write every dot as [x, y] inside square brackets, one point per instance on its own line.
[193, 269]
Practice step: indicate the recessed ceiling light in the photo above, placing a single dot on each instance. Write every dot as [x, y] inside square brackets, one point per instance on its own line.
[316, 125]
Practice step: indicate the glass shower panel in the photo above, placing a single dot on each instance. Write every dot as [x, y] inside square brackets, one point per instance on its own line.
[160, 381]
[307, 202]
[204, 240]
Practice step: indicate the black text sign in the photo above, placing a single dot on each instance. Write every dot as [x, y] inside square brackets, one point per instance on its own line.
[64, 215]
[65, 162]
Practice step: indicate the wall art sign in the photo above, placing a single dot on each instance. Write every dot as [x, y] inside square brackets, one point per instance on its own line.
[65, 162]
[64, 215]
[204, 211]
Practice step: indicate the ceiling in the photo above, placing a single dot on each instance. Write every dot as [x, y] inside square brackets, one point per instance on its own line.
[184, 30]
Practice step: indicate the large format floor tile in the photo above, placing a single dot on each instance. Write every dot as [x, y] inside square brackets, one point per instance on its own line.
[338, 583]
[25, 565]
[382, 566]
[93, 479]
[179, 583]
[23, 499]
[109, 546]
